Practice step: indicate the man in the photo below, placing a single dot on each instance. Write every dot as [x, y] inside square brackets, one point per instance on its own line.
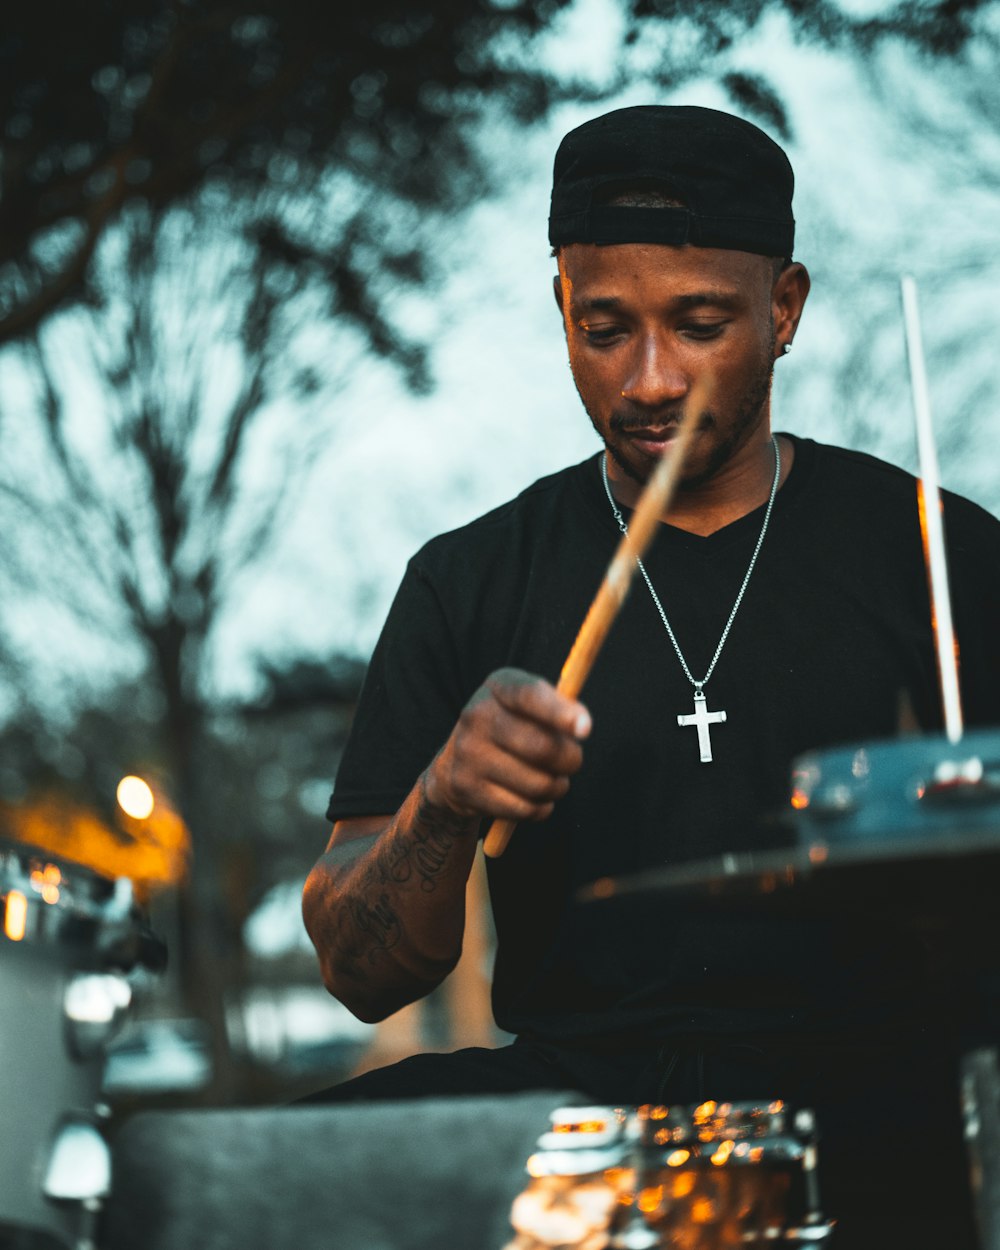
[785, 589]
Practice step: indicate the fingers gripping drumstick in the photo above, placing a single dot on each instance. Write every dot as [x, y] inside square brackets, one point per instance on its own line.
[655, 500]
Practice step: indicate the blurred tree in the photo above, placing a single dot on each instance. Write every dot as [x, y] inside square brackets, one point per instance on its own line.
[151, 99]
[148, 100]
[155, 465]
[928, 207]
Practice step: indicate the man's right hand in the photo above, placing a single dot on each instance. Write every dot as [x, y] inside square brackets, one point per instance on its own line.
[385, 905]
[513, 751]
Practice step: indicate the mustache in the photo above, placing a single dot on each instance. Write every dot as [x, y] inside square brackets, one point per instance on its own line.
[627, 423]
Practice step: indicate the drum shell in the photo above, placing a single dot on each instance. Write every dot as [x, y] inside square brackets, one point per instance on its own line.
[717, 1175]
[41, 1082]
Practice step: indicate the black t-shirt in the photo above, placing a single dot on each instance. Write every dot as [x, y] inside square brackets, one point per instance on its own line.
[832, 636]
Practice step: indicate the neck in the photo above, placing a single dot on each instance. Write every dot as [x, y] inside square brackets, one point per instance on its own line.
[738, 488]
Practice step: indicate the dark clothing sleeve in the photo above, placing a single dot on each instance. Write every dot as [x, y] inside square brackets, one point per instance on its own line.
[411, 697]
[973, 539]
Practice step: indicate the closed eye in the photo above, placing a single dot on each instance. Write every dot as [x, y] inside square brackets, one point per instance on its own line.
[702, 329]
[600, 334]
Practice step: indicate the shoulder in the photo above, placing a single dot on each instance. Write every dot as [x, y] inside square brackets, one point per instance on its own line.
[859, 480]
[556, 501]
[846, 467]
[501, 589]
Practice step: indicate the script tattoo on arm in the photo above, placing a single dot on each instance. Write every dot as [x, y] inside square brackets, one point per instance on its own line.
[372, 932]
[412, 856]
[423, 852]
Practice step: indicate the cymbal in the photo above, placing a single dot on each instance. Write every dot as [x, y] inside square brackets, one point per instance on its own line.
[906, 827]
[937, 875]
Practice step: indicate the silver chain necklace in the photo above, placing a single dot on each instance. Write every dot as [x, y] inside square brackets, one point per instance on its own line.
[701, 718]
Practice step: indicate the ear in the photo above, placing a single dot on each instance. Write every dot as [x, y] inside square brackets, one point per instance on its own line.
[557, 291]
[788, 298]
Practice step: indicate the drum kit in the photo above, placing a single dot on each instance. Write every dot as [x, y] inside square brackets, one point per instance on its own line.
[69, 937]
[906, 833]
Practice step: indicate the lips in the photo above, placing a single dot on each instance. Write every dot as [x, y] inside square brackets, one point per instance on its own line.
[652, 441]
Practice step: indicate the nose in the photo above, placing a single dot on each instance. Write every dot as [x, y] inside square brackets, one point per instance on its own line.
[654, 378]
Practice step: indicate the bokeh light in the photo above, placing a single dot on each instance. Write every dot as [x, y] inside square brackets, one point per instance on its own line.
[135, 798]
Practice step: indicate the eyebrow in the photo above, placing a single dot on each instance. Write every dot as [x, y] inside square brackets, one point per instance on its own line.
[696, 299]
[721, 299]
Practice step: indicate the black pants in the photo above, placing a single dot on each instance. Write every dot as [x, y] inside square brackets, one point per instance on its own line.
[892, 1169]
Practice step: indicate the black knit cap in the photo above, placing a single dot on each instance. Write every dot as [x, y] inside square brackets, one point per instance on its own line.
[735, 182]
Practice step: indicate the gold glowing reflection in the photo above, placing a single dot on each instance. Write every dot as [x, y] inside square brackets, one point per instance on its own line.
[684, 1183]
[650, 1199]
[702, 1211]
[582, 1126]
[15, 916]
[681, 1195]
[46, 881]
[722, 1154]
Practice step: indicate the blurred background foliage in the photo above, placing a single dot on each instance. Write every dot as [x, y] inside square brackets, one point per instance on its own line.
[215, 218]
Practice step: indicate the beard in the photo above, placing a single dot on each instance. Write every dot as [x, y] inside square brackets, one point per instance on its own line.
[749, 414]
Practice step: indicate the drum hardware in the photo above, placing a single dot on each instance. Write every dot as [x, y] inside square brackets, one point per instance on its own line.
[966, 779]
[969, 780]
[93, 1008]
[715, 1175]
[906, 832]
[904, 790]
[633, 1232]
[980, 1085]
[69, 936]
[909, 825]
[931, 521]
[79, 1174]
[79, 1166]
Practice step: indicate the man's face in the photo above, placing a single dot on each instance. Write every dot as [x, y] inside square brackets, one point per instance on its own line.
[643, 320]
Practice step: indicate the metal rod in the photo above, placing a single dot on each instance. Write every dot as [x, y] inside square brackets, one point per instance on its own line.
[931, 521]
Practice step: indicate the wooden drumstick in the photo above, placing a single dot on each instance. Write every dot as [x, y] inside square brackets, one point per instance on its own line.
[653, 503]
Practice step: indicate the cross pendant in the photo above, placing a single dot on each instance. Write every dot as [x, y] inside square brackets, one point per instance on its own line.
[701, 718]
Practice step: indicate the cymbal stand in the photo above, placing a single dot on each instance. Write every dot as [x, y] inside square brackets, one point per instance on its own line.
[980, 1085]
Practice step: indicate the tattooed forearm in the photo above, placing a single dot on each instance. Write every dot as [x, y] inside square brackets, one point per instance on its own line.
[377, 923]
[423, 851]
[378, 927]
